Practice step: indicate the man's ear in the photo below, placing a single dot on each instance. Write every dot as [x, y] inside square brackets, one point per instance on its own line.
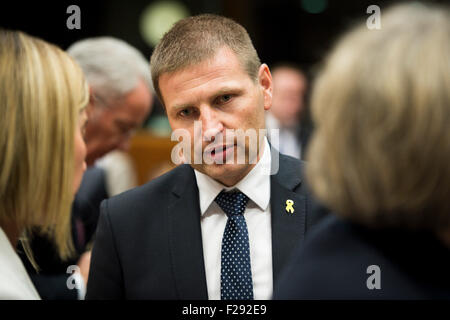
[265, 83]
[91, 104]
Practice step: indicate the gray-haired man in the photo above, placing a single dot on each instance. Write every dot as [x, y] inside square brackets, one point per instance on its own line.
[121, 92]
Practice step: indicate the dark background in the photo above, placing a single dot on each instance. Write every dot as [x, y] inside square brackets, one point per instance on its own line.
[282, 30]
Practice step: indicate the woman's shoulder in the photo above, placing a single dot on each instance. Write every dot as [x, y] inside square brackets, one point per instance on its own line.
[15, 284]
[344, 260]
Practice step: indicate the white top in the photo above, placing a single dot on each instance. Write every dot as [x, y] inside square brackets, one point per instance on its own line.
[120, 174]
[15, 284]
[256, 186]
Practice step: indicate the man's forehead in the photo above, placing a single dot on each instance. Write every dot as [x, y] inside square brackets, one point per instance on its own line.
[220, 73]
[222, 54]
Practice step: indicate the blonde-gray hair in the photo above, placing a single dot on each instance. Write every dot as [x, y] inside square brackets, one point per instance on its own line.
[381, 151]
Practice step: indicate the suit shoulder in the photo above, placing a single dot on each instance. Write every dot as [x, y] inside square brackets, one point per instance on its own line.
[292, 162]
[160, 185]
[330, 235]
[329, 261]
[339, 258]
[150, 196]
[290, 170]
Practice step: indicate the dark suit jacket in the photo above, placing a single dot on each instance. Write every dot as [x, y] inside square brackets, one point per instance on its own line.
[333, 262]
[149, 243]
[304, 135]
[51, 281]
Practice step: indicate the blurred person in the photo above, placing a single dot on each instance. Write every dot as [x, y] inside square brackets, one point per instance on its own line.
[120, 100]
[121, 92]
[380, 159]
[42, 151]
[288, 112]
[173, 237]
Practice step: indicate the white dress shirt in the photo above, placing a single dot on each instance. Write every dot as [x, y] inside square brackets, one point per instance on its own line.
[289, 143]
[256, 186]
[120, 174]
[15, 284]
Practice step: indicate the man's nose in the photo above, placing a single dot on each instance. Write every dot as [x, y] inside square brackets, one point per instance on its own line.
[211, 123]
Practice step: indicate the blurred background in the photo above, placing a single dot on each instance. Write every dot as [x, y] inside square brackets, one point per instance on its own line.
[294, 31]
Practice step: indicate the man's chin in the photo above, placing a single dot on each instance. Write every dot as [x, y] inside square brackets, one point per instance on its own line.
[227, 174]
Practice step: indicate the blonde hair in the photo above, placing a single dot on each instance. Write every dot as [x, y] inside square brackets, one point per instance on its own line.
[42, 92]
[381, 151]
[195, 39]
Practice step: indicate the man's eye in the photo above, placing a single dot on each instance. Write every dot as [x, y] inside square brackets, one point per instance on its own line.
[185, 112]
[224, 98]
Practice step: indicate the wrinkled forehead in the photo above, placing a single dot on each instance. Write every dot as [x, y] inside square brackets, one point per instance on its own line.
[222, 68]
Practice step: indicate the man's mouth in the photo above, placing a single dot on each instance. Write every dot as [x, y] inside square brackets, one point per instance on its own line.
[219, 153]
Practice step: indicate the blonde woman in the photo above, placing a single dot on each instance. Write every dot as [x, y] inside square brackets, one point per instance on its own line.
[380, 159]
[43, 94]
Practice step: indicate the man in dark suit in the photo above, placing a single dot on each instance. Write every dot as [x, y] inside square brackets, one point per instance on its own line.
[223, 224]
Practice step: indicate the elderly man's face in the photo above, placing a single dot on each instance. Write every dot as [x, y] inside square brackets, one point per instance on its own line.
[111, 127]
[219, 95]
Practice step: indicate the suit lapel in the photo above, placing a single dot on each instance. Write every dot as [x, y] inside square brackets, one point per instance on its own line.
[186, 239]
[288, 228]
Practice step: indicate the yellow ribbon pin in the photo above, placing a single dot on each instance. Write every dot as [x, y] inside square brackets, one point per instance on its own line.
[289, 206]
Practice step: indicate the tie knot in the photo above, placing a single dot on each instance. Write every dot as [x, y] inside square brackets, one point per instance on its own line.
[232, 203]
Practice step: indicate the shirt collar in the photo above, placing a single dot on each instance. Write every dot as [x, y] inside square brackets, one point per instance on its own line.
[255, 185]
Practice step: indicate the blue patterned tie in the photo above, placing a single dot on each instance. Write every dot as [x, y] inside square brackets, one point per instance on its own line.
[236, 274]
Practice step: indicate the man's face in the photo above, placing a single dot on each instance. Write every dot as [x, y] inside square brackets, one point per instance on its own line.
[219, 95]
[111, 127]
[289, 87]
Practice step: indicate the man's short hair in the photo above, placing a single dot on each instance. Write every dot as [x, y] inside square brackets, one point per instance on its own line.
[196, 39]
